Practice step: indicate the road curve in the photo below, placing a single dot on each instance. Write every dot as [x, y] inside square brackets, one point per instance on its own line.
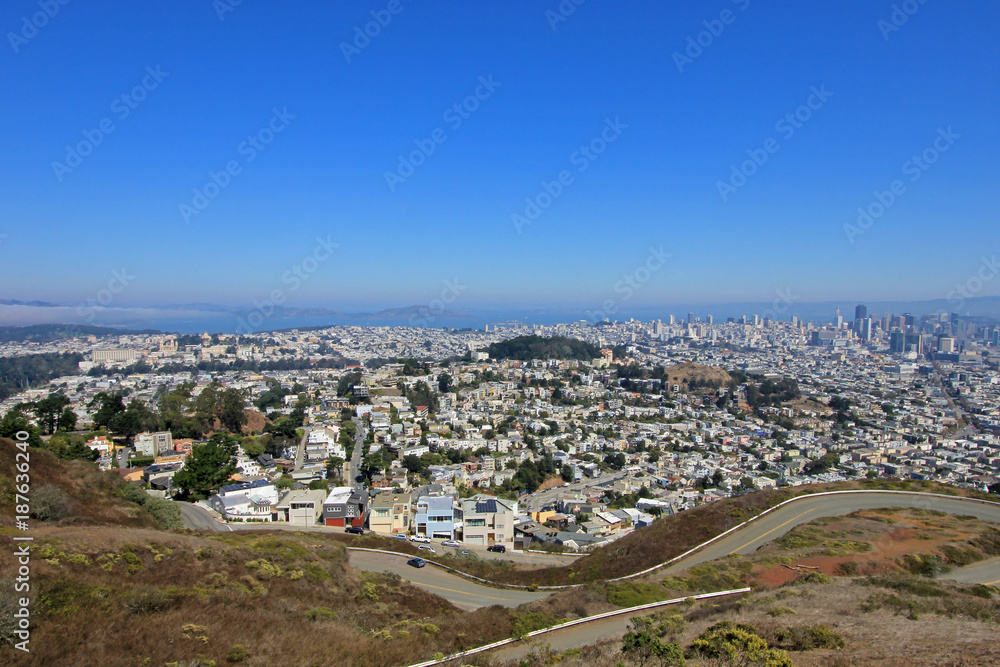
[771, 526]
[460, 592]
[196, 517]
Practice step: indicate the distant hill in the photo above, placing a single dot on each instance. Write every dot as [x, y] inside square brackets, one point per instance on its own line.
[686, 372]
[34, 370]
[525, 348]
[47, 333]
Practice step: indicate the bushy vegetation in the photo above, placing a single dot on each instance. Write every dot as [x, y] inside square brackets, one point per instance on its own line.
[525, 348]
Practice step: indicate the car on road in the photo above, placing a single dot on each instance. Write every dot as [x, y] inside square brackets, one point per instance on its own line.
[497, 548]
[416, 562]
[464, 553]
[400, 537]
[426, 547]
[420, 538]
[355, 530]
[450, 543]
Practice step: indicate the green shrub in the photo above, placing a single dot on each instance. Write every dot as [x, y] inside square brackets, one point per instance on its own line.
[630, 594]
[846, 569]
[523, 622]
[321, 614]
[807, 638]
[147, 601]
[237, 653]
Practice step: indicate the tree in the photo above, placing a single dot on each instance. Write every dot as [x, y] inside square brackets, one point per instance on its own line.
[134, 420]
[67, 420]
[335, 467]
[444, 383]
[48, 410]
[414, 464]
[107, 406]
[208, 467]
[566, 472]
[232, 414]
[14, 422]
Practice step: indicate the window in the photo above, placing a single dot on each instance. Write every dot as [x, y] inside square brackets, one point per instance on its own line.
[474, 523]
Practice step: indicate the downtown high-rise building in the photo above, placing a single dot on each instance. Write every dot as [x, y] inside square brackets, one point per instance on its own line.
[860, 312]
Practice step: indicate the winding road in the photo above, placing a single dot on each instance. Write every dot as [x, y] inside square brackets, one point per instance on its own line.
[743, 540]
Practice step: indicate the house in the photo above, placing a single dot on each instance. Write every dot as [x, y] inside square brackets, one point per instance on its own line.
[246, 500]
[100, 444]
[345, 506]
[152, 444]
[301, 507]
[488, 520]
[435, 517]
[390, 514]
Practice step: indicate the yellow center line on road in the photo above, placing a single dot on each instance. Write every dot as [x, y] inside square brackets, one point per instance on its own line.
[992, 583]
[759, 537]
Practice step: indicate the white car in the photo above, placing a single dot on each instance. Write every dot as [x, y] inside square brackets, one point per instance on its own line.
[450, 543]
[420, 538]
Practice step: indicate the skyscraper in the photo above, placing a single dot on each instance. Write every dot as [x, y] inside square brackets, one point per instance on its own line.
[897, 342]
[690, 318]
[865, 328]
[838, 321]
[860, 312]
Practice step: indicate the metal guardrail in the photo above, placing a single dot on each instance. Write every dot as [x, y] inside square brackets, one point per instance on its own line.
[704, 544]
[578, 621]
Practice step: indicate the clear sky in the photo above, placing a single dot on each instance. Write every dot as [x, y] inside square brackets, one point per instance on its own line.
[198, 87]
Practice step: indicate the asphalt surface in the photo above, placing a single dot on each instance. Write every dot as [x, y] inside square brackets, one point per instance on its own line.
[457, 590]
[300, 450]
[985, 572]
[359, 451]
[199, 518]
[469, 595]
[750, 538]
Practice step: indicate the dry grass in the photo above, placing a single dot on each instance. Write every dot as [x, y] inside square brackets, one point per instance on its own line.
[91, 494]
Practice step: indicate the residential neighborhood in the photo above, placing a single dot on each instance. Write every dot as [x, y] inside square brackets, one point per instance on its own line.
[424, 433]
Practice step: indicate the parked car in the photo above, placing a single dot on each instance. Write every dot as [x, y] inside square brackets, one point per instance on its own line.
[419, 538]
[450, 543]
[497, 548]
[426, 547]
[355, 530]
[400, 537]
[416, 562]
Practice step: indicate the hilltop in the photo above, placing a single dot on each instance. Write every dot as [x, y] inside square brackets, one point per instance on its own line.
[525, 348]
[705, 376]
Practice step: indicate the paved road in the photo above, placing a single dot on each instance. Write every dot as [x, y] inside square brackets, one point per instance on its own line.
[300, 451]
[359, 446]
[987, 572]
[460, 592]
[774, 525]
[199, 518]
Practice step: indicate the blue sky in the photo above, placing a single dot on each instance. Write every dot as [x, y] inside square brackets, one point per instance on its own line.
[323, 176]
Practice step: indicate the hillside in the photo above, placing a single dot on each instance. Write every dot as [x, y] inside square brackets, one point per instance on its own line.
[705, 376]
[856, 590]
[68, 493]
[526, 348]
